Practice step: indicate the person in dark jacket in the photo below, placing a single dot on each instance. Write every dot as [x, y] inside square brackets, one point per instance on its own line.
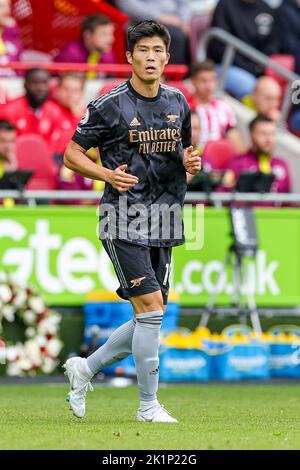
[289, 21]
[289, 31]
[253, 22]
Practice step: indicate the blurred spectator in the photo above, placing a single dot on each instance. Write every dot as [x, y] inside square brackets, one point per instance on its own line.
[175, 14]
[94, 46]
[254, 22]
[8, 160]
[10, 39]
[217, 120]
[260, 157]
[266, 98]
[69, 97]
[289, 22]
[196, 129]
[209, 178]
[294, 123]
[68, 180]
[34, 113]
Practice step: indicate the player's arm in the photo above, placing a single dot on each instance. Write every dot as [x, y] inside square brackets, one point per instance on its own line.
[91, 132]
[75, 159]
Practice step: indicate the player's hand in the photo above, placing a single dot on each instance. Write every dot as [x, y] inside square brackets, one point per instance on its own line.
[192, 160]
[122, 181]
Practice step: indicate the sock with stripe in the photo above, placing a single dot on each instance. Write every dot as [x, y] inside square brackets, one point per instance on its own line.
[145, 348]
[117, 347]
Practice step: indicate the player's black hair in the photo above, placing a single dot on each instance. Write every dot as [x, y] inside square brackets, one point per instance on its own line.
[28, 73]
[6, 125]
[90, 23]
[147, 29]
[257, 120]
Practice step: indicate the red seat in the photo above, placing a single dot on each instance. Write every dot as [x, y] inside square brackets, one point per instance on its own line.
[219, 153]
[33, 154]
[285, 60]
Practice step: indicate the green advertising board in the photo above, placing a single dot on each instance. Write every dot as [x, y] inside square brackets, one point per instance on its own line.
[57, 250]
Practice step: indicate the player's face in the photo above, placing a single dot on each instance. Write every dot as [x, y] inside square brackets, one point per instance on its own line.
[205, 84]
[7, 143]
[149, 58]
[264, 137]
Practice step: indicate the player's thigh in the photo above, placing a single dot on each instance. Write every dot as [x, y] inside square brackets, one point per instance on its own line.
[152, 302]
[161, 259]
[133, 267]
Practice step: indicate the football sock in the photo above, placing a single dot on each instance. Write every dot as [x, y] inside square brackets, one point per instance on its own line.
[145, 348]
[117, 347]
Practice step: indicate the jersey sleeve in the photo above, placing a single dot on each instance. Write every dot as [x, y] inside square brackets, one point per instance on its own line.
[91, 130]
[186, 126]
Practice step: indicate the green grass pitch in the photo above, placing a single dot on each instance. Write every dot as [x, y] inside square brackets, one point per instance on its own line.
[211, 417]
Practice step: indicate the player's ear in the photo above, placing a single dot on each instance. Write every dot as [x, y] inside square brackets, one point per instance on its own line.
[168, 58]
[129, 57]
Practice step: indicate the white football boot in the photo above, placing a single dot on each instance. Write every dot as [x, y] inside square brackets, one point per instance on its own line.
[79, 384]
[155, 414]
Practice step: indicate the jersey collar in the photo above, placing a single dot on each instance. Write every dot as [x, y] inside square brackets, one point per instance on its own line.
[141, 97]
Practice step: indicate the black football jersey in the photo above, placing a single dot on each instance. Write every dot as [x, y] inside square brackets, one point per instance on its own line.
[148, 135]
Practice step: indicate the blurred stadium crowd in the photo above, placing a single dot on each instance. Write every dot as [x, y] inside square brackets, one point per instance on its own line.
[37, 123]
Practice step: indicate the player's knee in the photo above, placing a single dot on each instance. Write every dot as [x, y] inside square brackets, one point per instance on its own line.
[148, 302]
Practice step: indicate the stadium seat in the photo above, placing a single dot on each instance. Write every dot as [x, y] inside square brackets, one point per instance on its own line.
[285, 60]
[33, 154]
[219, 152]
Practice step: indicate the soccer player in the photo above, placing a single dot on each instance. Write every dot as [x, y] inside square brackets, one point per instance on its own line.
[143, 130]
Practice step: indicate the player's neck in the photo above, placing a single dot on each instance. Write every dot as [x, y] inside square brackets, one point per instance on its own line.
[149, 90]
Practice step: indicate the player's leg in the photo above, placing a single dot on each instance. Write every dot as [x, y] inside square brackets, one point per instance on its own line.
[133, 268]
[80, 371]
[150, 309]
